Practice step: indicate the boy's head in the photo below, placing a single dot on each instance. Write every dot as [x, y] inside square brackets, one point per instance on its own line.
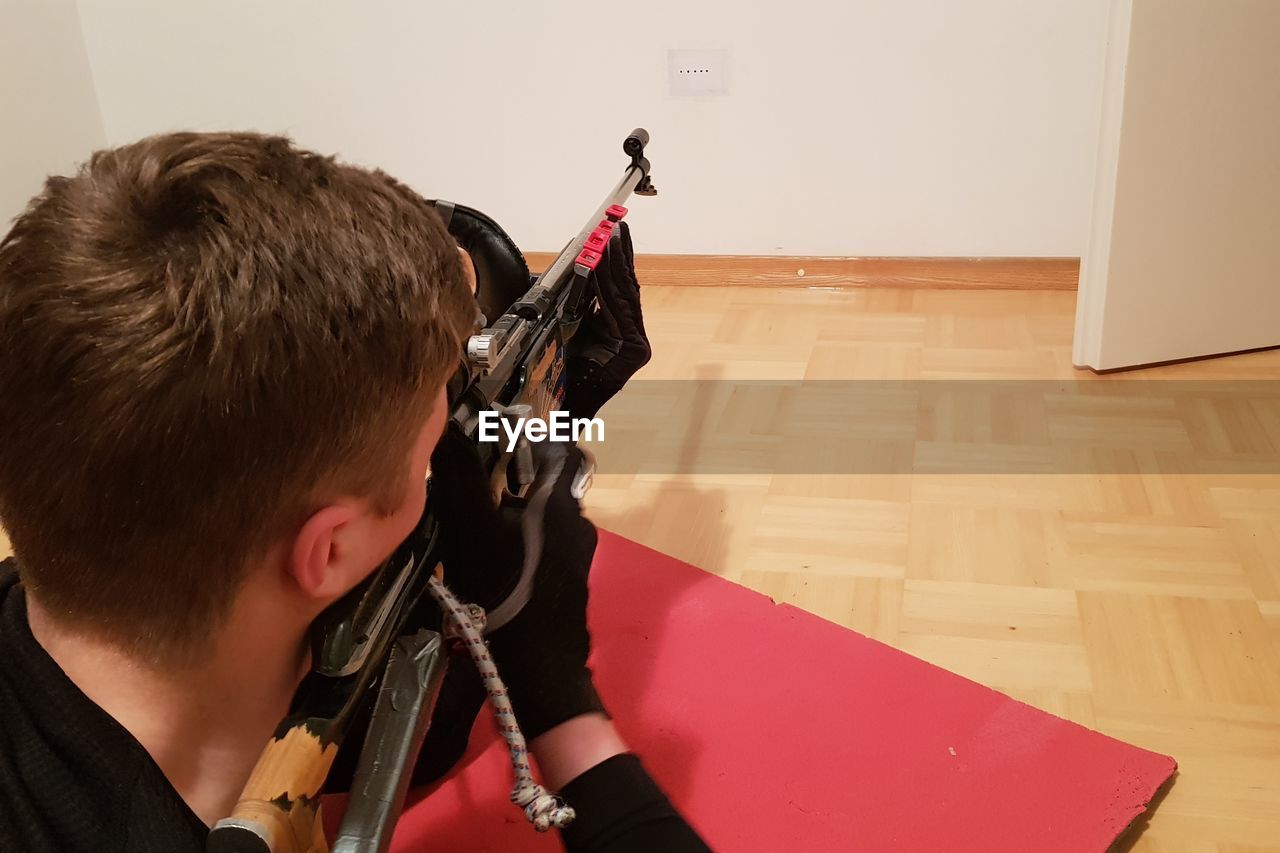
[208, 339]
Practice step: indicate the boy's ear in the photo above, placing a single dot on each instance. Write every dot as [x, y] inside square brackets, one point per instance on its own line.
[322, 562]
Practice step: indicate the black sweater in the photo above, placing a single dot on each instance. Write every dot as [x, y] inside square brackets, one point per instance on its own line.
[73, 779]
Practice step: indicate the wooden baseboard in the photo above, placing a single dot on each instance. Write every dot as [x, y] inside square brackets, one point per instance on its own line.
[773, 271]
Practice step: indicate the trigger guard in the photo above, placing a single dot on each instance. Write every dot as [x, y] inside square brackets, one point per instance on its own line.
[531, 520]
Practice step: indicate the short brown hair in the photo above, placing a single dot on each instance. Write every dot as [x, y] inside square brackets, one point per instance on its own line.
[204, 333]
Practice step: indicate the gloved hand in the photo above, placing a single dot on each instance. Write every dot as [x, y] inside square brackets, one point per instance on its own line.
[526, 563]
[611, 345]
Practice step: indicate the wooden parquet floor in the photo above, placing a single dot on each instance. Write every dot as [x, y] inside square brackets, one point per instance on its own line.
[1144, 605]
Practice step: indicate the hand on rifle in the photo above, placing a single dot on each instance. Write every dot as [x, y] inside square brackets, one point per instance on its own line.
[611, 345]
[537, 550]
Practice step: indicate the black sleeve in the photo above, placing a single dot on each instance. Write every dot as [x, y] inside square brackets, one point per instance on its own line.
[621, 810]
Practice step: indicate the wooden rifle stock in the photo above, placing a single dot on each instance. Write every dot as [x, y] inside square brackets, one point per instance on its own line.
[279, 810]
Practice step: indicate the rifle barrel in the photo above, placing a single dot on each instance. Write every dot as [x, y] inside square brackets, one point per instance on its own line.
[564, 261]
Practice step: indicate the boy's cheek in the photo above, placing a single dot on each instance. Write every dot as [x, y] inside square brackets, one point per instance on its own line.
[469, 269]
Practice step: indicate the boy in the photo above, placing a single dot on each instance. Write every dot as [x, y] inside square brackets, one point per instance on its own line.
[223, 379]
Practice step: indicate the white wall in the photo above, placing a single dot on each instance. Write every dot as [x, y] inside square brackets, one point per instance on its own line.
[853, 127]
[1185, 256]
[49, 117]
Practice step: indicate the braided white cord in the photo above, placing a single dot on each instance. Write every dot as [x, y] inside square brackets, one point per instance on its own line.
[543, 809]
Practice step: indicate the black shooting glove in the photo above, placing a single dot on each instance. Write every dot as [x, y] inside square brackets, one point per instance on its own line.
[480, 544]
[526, 563]
[611, 344]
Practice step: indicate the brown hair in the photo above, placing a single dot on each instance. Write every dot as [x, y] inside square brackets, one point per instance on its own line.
[205, 334]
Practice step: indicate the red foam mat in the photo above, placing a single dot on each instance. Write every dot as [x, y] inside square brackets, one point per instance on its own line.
[775, 730]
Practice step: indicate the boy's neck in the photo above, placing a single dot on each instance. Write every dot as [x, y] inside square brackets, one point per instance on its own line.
[204, 725]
